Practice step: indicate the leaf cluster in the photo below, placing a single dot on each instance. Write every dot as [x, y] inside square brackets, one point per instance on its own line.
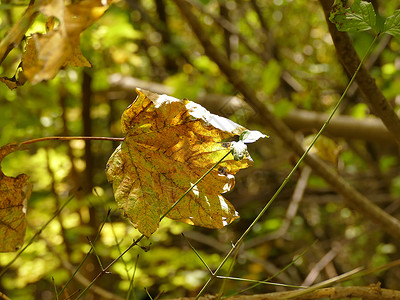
[361, 16]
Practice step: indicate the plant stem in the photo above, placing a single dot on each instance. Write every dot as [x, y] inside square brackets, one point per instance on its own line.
[197, 182]
[70, 138]
[87, 254]
[135, 242]
[5, 268]
[240, 240]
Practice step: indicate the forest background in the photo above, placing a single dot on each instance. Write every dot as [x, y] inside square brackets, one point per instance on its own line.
[231, 57]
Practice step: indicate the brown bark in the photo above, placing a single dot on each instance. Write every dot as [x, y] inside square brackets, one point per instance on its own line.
[351, 292]
[87, 129]
[368, 129]
[350, 60]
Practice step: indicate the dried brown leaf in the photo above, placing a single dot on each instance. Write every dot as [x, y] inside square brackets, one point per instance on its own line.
[169, 144]
[14, 195]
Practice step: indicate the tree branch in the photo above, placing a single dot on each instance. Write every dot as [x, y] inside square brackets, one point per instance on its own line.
[350, 60]
[367, 292]
[368, 129]
[352, 197]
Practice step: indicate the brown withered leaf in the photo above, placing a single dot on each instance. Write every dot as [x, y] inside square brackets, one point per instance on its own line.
[14, 195]
[326, 148]
[169, 144]
[11, 83]
[47, 53]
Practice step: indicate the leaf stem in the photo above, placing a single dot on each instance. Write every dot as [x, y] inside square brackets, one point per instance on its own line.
[197, 253]
[95, 252]
[260, 282]
[70, 138]
[276, 274]
[131, 283]
[240, 240]
[87, 254]
[197, 182]
[35, 236]
[55, 287]
[135, 242]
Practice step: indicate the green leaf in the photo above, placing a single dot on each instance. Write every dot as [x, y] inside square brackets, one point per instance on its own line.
[360, 16]
[392, 24]
[271, 77]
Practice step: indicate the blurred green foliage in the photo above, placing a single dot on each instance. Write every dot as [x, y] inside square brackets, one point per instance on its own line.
[132, 40]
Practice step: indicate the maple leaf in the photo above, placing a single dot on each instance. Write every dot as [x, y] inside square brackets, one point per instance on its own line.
[14, 194]
[169, 144]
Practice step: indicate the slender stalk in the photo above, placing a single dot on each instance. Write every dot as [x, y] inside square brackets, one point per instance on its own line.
[4, 270]
[260, 282]
[95, 252]
[197, 253]
[119, 249]
[87, 254]
[55, 287]
[128, 296]
[197, 182]
[162, 217]
[148, 294]
[109, 266]
[240, 240]
[276, 274]
[71, 138]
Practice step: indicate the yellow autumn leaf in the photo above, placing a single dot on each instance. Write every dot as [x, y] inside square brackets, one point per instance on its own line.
[326, 148]
[169, 144]
[46, 53]
[14, 195]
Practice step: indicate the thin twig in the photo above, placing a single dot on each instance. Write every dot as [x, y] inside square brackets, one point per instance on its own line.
[4, 296]
[131, 284]
[291, 211]
[119, 248]
[95, 252]
[280, 271]
[319, 266]
[71, 138]
[135, 242]
[258, 281]
[87, 254]
[77, 275]
[4, 270]
[197, 254]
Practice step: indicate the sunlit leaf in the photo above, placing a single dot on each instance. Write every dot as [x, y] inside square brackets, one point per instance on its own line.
[360, 16]
[169, 144]
[14, 195]
[11, 83]
[392, 24]
[325, 148]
